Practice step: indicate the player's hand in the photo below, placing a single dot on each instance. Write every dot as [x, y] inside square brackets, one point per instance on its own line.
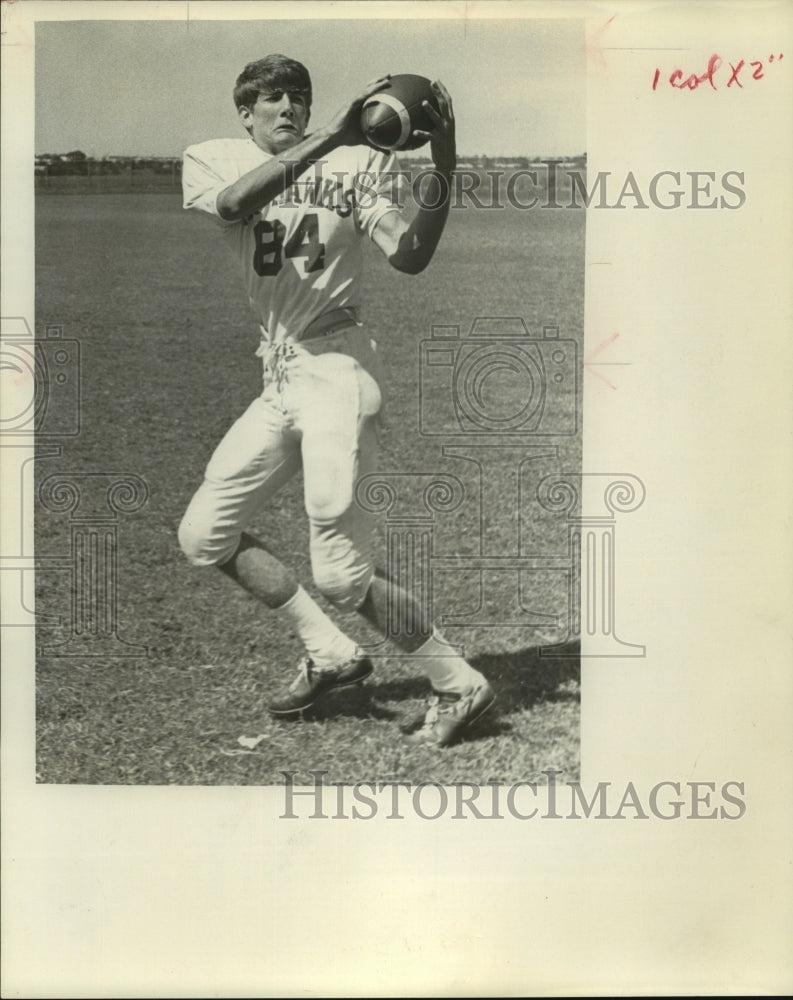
[443, 144]
[345, 126]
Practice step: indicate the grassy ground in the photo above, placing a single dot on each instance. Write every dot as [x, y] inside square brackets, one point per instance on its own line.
[167, 342]
[125, 182]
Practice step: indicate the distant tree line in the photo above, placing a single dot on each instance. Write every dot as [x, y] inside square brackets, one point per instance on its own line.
[76, 164]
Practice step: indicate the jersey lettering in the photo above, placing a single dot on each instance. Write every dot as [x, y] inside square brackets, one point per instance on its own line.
[320, 192]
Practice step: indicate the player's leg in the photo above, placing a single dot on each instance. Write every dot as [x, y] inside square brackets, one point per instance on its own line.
[254, 459]
[264, 576]
[340, 444]
[460, 693]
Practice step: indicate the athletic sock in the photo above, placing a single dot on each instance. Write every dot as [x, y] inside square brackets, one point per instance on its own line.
[327, 645]
[448, 672]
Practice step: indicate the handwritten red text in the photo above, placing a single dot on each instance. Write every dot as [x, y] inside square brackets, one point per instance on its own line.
[717, 71]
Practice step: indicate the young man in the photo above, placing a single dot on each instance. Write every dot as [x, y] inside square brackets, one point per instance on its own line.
[295, 209]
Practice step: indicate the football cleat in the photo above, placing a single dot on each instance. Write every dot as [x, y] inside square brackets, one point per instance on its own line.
[449, 715]
[312, 684]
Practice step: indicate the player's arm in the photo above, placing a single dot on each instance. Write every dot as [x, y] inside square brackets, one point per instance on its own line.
[409, 246]
[261, 185]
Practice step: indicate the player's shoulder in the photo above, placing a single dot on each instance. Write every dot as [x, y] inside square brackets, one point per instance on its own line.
[360, 157]
[357, 161]
[225, 150]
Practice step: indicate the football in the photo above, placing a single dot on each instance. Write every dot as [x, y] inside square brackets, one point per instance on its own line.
[390, 117]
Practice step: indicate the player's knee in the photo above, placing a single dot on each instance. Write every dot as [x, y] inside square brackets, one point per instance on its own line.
[345, 589]
[328, 488]
[192, 542]
[327, 504]
[202, 547]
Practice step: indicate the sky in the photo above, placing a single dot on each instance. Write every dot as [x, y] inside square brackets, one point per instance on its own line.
[154, 87]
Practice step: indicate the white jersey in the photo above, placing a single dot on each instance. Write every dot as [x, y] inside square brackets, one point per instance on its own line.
[301, 254]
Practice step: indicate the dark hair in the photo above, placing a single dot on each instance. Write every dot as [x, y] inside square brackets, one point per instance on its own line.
[274, 72]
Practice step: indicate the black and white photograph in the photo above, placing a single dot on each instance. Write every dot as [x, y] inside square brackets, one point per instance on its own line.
[349, 579]
[396, 489]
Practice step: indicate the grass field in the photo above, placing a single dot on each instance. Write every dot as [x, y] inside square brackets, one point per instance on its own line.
[167, 344]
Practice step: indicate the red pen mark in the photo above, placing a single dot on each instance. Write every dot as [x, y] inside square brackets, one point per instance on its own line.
[692, 81]
[591, 364]
[735, 71]
[21, 373]
[593, 46]
[680, 81]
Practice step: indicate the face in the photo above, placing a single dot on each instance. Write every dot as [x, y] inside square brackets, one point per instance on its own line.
[277, 121]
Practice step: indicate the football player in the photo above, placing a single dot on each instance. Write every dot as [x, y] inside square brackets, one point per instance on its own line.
[292, 206]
